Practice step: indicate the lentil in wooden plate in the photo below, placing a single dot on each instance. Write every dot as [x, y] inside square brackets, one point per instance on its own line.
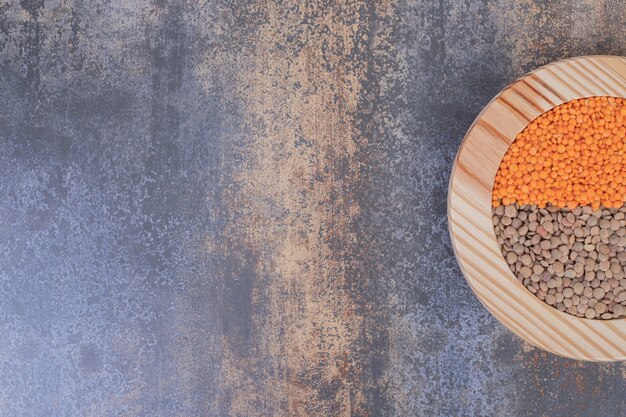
[541, 284]
[562, 230]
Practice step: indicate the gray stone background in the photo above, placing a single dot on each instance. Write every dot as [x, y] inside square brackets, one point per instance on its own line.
[237, 208]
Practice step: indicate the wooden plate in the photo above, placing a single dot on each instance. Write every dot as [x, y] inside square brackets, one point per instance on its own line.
[469, 208]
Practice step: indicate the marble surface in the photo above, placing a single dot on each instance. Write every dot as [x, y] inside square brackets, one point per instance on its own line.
[238, 208]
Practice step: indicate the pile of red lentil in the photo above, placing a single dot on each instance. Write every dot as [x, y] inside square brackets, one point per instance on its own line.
[558, 207]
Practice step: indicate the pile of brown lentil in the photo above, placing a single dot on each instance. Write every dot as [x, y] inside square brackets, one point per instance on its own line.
[573, 260]
[567, 245]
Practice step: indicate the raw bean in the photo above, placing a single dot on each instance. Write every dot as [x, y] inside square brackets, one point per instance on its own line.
[600, 308]
[525, 272]
[604, 266]
[579, 268]
[511, 258]
[557, 267]
[603, 248]
[615, 268]
[604, 233]
[578, 288]
[510, 211]
[570, 273]
[598, 293]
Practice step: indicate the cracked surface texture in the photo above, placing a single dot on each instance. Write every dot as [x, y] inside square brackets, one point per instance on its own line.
[238, 208]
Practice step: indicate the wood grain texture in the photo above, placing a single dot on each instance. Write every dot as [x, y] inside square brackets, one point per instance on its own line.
[469, 207]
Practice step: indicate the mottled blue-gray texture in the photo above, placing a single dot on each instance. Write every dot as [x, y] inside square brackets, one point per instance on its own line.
[238, 208]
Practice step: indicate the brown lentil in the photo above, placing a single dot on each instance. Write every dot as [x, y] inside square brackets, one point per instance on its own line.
[572, 259]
